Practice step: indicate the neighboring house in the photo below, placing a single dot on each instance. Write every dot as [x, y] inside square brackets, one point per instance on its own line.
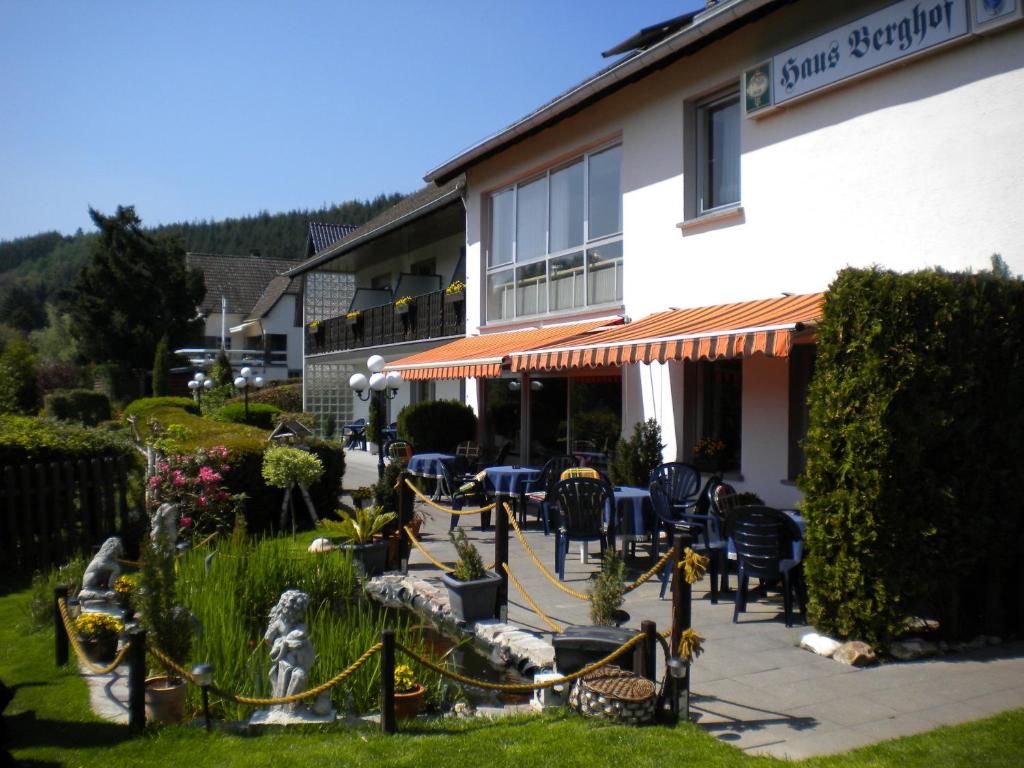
[707, 186]
[252, 310]
[414, 249]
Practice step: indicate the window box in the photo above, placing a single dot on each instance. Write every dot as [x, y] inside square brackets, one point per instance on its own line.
[353, 321]
[458, 297]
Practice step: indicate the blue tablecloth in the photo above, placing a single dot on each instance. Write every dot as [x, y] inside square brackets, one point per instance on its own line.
[510, 481]
[634, 512]
[429, 464]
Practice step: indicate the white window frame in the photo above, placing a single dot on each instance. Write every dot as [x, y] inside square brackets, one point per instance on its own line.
[583, 249]
[701, 109]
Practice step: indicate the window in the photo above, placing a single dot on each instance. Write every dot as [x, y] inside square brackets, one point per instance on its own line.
[718, 152]
[555, 240]
[719, 407]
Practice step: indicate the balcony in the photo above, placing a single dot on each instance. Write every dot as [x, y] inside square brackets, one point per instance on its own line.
[431, 318]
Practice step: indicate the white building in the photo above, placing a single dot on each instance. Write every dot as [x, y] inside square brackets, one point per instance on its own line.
[746, 153]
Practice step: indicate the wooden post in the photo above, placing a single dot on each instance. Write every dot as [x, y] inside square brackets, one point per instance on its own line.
[137, 680]
[650, 646]
[501, 558]
[681, 593]
[60, 633]
[387, 682]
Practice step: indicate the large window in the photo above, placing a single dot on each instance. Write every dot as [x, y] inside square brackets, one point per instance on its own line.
[718, 152]
[555, 239]
[719, 408]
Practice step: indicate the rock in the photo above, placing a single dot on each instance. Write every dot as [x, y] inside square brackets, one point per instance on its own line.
[819, 644]
[463, 709]
[920, 624]
[913, 648]
[855, 653]
[320, 545]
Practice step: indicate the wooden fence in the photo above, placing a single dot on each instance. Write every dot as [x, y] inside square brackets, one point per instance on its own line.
[53, 511]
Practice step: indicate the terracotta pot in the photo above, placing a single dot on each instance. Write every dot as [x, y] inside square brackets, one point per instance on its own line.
[165, 699]
[408, 703]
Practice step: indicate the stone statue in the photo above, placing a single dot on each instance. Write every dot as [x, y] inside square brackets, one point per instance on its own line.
[291, 652]
[98, 579]
[164, 524]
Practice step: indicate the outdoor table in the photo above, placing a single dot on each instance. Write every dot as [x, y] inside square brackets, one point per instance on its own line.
[511, 481]
[634, 514]
[428, 465]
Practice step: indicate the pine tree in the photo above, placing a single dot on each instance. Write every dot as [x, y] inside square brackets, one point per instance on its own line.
[19, 392]
[160, 387]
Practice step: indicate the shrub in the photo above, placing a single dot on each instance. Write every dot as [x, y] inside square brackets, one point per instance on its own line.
[29, 439]
[18, 391]
[260, 415]
[470, 566]
[913, 454]
[142, 406]
[284, 467]
[638, 456]
[608, 590]
[437, 425]
[41, 602]
[84, 405]
[287, 397]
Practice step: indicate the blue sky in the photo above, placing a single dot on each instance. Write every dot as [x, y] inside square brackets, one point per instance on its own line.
[193, 110]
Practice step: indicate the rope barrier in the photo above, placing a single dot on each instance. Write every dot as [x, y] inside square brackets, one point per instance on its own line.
[69, 628]
[415, 543]
[654, 569]
[552, 625]
[448, 510]
[536, 561]
[694, 566]
[523, 687]
[690, 645]
[355, 665]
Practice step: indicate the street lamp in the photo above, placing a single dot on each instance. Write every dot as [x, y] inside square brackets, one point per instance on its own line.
[244, 382]
[198, 384]
[382, 387]
[677, 670]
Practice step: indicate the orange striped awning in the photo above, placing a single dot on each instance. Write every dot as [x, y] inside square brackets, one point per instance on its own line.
[722, 331]
[484, 355]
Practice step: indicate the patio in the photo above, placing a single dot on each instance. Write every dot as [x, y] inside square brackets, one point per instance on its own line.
[753, 686]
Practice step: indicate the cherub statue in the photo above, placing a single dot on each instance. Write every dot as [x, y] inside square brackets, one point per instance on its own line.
[291, 652]
[164, 519]
[99, 577]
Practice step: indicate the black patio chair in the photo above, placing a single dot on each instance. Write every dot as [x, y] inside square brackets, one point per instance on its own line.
[582, 504]
[463, 489]
[702, 529]
[355, 432]
[722, 499]
[764, 539]
[467, 456]
[545, 484]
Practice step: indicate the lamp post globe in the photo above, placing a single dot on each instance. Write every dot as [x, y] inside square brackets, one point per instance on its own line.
[382, 387]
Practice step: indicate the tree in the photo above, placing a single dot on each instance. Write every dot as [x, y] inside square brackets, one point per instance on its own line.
[135, 289]
[160, 368]
[18, 390]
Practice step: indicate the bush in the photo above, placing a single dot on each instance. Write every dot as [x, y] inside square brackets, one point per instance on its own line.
[914, 455]
[287, 397]
[637, 457]
[260, 415]
[84, 405]
[18, 391]
[29, 439]
[437, 425]
[142, 406]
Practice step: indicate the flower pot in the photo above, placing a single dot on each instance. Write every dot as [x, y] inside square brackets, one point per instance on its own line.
[165, 699]
[473, 600]
[455, 298]
[370, 559]
[352, 322]
[709, 466]
[100, 650]
[408, 703]
[403, 309]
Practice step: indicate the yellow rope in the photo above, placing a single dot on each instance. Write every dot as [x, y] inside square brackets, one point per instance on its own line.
[690, 645]
[415, 543]
[540, 566]
[654, 569]
[69, 629]
[129, 563]
[523, 687]
[367, 655]
[694, 566]
[552, 625]
[448, 510]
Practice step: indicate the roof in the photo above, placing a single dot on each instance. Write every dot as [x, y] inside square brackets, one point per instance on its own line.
[707, 26]
[276, 288]
[408, 209]
[322, 234]
[648, 36]
[241, 279]
[485, 354]
[766, 326]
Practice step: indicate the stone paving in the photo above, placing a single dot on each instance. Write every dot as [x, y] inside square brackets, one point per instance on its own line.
[754, 687]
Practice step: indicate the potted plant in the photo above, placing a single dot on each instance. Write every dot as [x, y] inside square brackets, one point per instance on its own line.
[98, 634]
[472, 589]
[357, 532]
[408, 693]
[168, 627]
[455, 293]
[315, 327]
[404, 305]
[608, 591]
[709, 454]
[352, 318]
[125, 586]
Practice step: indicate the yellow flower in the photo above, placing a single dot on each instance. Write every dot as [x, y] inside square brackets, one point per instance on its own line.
[405, 680]
[97, 625]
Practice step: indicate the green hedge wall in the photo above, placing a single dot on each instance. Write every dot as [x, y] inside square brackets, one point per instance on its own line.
[84, 405]
[30, 439]
[437, 425]
[245, 446]
[145, 404]
[914, 455]
[260, 415]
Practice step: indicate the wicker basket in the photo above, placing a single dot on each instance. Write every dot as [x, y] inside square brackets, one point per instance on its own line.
[613, 694]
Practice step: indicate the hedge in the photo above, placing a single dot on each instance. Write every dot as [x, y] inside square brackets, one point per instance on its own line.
[245, 446]
[144, 404]
[30, 439]
[287, 397]
[914, 455]
[437, 425]
[260, 415]
[84, 405]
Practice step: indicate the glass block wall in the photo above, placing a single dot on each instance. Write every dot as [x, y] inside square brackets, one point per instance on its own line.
[328, 395]
[327, 294]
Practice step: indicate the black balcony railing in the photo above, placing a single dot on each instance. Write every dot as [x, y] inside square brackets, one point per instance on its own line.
[430, 317]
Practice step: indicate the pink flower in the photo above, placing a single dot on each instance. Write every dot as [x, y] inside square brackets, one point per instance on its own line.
[224, 468]
[179, 478]
[221, 495]
[202, 501]
[154, 481]
[207, 475]
[186, 522]
[162, 466]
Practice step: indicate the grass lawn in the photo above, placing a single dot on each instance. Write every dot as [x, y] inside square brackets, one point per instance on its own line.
[49, 723]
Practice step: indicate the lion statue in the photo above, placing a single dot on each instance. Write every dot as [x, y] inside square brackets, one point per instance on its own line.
[99, 576]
